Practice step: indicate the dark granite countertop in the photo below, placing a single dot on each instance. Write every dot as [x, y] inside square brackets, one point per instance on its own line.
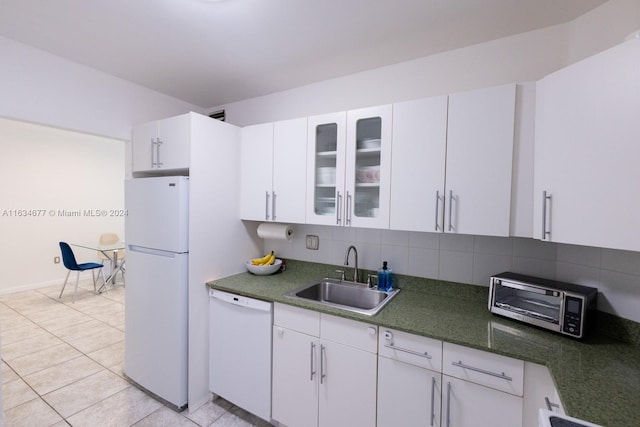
[598, 379]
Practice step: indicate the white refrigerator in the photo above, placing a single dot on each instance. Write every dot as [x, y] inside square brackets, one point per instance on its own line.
[156, 295]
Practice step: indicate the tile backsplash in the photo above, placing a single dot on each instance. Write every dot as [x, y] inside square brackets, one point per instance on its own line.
[473, 259]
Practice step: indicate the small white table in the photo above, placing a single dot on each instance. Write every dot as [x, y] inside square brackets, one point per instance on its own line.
[111, 253]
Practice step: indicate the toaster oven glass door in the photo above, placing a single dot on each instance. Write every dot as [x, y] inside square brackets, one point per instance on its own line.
[532, 302]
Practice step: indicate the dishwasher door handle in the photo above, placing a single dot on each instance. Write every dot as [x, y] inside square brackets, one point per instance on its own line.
[240, 301]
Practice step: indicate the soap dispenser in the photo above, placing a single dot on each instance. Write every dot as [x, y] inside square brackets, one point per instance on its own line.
[385, 280]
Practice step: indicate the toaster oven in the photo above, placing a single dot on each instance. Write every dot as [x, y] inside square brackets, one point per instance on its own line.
[561, 307]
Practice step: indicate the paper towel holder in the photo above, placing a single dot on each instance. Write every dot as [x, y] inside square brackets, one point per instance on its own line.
[274, 231]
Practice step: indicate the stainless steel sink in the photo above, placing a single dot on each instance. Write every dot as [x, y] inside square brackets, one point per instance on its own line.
[355, 297]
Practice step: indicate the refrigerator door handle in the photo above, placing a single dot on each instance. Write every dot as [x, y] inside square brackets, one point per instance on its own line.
[151, 251]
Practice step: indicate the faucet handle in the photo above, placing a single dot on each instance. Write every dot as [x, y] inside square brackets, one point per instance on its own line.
[369, 277]
[342, 277]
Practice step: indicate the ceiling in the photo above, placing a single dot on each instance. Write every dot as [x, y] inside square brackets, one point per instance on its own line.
[209, 52]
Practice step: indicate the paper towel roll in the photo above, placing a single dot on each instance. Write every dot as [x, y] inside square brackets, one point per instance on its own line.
[275, 231]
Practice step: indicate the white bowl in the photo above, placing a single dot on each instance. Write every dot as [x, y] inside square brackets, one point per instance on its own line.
[264, 270]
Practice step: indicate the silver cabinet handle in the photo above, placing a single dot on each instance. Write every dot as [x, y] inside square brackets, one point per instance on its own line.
[338, 208]
[545, 197]
[322, 374]
[433, 399]
[550, 405]
[158, 162]
[482, 371]
[437, 210]
[266, 206]
[348, 211]
[448, 404]
[273, 205]
[153, 149]
[450, 209]
[311, 358]
[406, 350]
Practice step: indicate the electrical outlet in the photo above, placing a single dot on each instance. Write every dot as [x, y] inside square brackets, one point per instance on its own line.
[313, 242]
[56, 260]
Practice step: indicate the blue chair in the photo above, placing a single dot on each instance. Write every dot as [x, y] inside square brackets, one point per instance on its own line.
[69, 261]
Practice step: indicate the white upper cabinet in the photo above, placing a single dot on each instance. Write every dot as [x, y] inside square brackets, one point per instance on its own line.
[587, 151]
[349, 167]
[479, 161]
[289, 170]
[326, 141]
[452, 163]
[162, 145]
[256, 179]
[418, 164]
[273, 171]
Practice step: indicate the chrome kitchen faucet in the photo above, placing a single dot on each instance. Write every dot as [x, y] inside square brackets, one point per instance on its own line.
[346, 262]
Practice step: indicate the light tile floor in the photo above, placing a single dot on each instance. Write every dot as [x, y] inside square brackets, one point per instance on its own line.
[62, 365]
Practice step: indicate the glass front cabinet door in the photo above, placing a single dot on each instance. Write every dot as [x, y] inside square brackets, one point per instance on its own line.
[349, 167]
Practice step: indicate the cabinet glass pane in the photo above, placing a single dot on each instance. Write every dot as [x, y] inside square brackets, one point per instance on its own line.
[366, 200]
[325, 173]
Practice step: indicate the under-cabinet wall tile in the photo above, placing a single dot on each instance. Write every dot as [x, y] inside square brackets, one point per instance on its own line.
[531, 248]
[424, 240]
[621, 261]
[582, 255]
[392, 237]
[456, 266]
[493, 245]
[619, 294]
[535, 267]
[456, 242]
[396, 256]
[424, 262]
[578, 274]
[486, 265]
[368, 236]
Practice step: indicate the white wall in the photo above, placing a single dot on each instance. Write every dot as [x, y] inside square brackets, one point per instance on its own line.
[47, 168]
[520, 58]
[48, 171]
[42, 88]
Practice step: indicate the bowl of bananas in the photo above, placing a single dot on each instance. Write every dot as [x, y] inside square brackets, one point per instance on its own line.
[264, 266]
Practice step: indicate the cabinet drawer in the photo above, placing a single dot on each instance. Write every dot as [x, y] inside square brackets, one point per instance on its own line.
[488, 369]
[297, 319]
[414, 349]
[349, 332]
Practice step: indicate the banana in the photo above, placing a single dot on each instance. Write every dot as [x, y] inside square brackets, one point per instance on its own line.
[263, 260]
[271, 260]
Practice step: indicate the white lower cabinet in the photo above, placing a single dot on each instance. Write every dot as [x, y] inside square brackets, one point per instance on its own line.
[324, 373]
[425, 382]
[539, 392]
[331, 371]
[408, 395]
[466, 404]
[409, 379]
[480, 389]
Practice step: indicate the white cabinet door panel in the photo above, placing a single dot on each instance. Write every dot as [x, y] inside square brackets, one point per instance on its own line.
[256, 154]
[466, 404]
[407, 395]
[479, 161]
[289, 170]
[295, 384]
[175, 137]
[587, 150]
[418, 164]
[347, 386]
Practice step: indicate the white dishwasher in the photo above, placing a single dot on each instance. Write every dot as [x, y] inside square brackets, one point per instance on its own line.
[240, 351]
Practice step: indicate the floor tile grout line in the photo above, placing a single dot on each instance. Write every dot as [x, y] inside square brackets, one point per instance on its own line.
[36, 393]
[81, 353]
